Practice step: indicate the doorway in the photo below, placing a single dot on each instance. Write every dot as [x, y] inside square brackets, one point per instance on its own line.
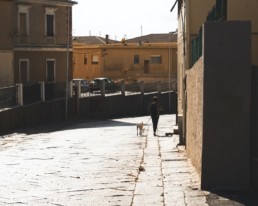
[146, 66]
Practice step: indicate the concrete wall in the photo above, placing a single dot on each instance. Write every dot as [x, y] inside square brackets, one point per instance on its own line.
[6, 68]
[198, 12]
[37, 65]
[33, 115]
[6, 27]
[247, 11]
[90, 107]
[226, 112]
[194, 132]
[122, 106]
[254, 130]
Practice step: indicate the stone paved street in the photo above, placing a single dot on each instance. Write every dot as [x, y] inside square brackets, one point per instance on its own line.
[101, 163]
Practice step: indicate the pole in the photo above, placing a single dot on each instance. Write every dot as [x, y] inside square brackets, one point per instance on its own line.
[169, 76]
[67, 63]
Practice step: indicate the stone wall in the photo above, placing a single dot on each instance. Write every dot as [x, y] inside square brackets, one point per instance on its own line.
[218, 106]
[194, 132]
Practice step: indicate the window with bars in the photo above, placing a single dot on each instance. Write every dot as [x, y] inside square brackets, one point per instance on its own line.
[136, 59]
[155, 59]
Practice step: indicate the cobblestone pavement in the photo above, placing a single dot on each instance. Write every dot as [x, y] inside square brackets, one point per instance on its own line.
[102, 163]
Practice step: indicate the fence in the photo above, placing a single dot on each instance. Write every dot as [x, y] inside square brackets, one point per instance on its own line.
[28, 94]
[8, 97]
[127, 89]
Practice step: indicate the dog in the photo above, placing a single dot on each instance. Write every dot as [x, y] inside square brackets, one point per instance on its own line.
[140, 128]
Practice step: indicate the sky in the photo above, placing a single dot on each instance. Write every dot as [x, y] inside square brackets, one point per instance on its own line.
[123, 18]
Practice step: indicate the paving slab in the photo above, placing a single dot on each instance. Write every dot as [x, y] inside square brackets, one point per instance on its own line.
[103, 163]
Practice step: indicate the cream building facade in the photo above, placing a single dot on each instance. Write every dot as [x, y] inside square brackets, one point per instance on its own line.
[33, 41]
[192, 14]
[217, 49]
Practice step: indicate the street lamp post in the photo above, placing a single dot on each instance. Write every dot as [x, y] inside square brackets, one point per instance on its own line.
[67, 63]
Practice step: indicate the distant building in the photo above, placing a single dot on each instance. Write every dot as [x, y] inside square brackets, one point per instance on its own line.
[143, 58]
[33, 41]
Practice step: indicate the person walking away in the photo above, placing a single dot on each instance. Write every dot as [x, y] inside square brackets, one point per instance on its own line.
[154, 113]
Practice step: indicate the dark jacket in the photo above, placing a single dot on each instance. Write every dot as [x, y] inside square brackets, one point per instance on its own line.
[154, 109]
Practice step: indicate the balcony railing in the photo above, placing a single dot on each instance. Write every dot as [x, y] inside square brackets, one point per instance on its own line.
[196, 47]
[218, 12]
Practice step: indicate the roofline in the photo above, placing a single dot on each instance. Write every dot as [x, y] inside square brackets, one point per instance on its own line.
[125, 46]
[53, 2]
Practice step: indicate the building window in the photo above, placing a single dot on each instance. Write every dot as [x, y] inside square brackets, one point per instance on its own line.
[24, 71]
[85, 60]
[136, 59]
[51, 70]
[50, 22]
[95, 59]
[155, 59]
[23, 19]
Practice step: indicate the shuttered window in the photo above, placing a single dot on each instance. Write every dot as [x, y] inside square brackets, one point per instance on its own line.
[155, 59]
[50, 25]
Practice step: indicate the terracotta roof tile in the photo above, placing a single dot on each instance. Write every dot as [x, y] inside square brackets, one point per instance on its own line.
[91, 40]
[154, 38]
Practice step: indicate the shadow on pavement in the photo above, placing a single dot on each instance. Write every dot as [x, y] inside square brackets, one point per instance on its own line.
[232, 198]
[75, 124]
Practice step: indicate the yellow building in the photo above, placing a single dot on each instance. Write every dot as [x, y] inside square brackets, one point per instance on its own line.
[144, 58]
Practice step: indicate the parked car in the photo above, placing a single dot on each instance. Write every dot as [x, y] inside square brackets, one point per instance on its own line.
[85, 86]
[110, 85]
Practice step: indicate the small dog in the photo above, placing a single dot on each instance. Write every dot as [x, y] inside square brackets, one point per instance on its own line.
[140, 128]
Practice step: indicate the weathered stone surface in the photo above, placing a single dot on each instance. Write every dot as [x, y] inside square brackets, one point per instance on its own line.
[101, 163]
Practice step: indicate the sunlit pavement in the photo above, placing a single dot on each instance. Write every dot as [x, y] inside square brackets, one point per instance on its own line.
[101, 163]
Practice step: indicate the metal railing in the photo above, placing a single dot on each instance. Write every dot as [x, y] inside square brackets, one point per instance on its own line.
[196, 47]
[55, 91]
[29, 94]
[129, 88]
[218, 12]
[8, 97]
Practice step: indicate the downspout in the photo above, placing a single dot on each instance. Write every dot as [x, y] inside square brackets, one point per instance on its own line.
[185, 23]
